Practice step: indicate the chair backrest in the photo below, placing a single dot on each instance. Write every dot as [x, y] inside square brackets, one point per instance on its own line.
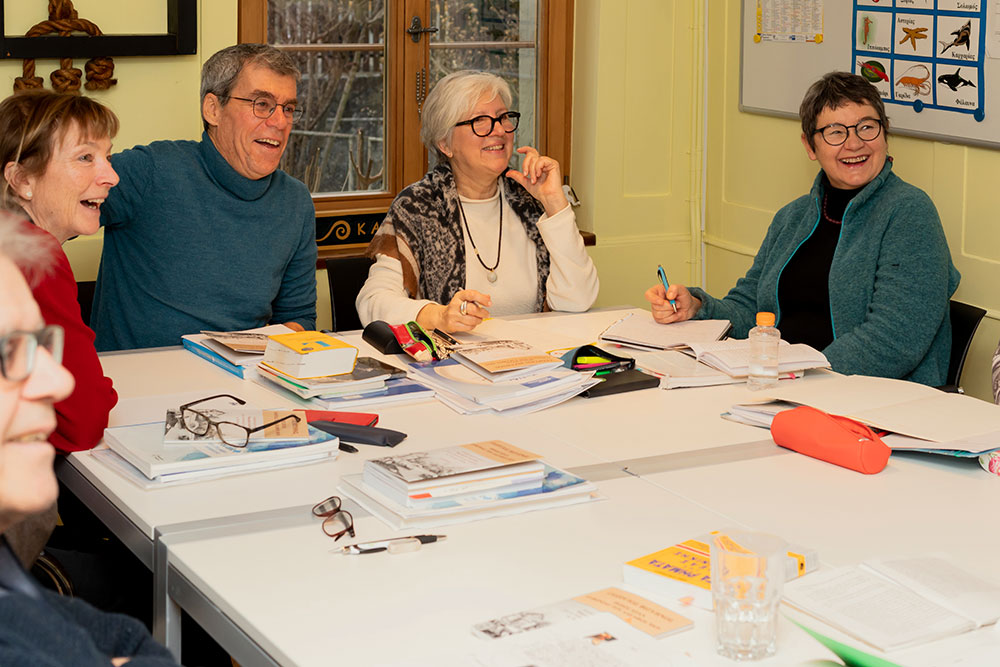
[85, 297]
[965, 320]
[346, 276]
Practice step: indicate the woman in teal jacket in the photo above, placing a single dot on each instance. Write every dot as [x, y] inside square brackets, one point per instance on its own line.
[858, 268]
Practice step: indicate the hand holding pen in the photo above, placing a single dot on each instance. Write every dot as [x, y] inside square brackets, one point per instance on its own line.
[671, 303]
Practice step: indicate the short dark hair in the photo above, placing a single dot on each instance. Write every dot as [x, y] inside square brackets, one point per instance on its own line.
[33, 121]
[834, 90]
[219, 73]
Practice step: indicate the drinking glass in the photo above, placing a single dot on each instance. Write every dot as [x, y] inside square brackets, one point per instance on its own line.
[748, 573]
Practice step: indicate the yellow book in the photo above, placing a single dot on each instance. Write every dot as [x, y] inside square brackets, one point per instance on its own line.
[309, 354]
[683, 572]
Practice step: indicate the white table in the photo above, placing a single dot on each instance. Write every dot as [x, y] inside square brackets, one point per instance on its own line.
[243, 556]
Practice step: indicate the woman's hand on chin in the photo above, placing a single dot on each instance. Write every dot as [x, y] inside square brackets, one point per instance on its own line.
[542, 177]
[454, 316]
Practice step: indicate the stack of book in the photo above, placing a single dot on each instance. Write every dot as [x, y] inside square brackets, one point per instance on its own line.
[461, 483]
[236, 352]
[506, 376]
[372, 382]
[165, 452]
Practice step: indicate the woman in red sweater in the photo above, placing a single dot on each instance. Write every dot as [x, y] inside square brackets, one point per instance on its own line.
[54, 149]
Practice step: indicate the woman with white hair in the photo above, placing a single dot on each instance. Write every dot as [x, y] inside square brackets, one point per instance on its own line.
[474, 238]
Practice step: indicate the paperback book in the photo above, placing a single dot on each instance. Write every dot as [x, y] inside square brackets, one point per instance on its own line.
[559, 488]
[641, 331]
[683, 572]
[733, 356]
[895, 603]
[501, 360]
[464, 471]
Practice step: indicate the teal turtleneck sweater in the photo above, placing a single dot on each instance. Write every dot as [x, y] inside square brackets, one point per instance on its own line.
[191, 245]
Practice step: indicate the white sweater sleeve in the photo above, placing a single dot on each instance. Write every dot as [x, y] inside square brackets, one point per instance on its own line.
[383, 297]
[572, 285]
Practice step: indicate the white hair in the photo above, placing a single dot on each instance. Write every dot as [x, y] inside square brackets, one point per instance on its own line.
[30, 249]
[451, 99]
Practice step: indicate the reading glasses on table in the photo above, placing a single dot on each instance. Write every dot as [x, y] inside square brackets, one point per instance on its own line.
[199, 422]
[337, 522]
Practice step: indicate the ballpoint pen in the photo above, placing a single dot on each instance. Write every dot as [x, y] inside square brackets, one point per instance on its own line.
[666, 285]
[379, 546]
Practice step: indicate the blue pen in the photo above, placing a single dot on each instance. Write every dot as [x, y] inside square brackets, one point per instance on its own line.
[666, 286]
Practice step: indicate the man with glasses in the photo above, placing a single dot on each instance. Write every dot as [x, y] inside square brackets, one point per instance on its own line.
[38, 627]
[858, 268]
[211, 234]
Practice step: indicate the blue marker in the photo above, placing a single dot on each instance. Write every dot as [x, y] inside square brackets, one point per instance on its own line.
[666, 285]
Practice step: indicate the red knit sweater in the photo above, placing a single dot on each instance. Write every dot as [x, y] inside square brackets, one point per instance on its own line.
[81, 418]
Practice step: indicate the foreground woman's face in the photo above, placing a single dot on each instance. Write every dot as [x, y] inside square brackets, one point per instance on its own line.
[854, 163]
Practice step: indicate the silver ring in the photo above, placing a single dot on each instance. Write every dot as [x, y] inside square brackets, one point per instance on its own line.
[461, 308]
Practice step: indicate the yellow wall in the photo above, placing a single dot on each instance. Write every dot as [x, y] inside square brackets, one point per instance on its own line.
[636, 134]
[756, 164]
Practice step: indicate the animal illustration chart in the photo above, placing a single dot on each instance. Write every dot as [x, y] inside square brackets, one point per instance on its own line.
[923, 53]
[935, 62]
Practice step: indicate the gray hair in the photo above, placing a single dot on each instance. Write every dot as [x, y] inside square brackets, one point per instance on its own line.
[451, 99]
[30, 249]
[219, 73]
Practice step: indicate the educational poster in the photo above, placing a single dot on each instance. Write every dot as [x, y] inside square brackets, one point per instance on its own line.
[789, 21]
[927, 54]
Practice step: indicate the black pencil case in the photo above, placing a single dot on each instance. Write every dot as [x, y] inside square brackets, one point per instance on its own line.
[618, 383]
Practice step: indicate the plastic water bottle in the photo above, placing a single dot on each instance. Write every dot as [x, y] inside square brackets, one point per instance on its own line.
[764, 340]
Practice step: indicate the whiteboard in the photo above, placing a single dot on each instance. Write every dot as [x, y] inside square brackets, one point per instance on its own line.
[901, 51]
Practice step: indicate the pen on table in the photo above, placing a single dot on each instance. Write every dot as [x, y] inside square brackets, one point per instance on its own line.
[350, 449]
[379, 546]
[666, 285]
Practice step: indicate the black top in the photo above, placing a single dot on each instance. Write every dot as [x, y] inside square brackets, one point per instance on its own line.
[804, 290]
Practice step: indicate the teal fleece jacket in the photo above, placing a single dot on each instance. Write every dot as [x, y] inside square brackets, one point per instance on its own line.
[190, 244]
[890, 281]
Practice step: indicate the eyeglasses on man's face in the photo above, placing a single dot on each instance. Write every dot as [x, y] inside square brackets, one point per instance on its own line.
[836, 134]
[337, 522]
[263, 107]
[19, 350]
[482, 126]
[200, 423]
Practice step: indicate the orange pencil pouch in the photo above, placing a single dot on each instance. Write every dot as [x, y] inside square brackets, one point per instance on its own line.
[831, 438]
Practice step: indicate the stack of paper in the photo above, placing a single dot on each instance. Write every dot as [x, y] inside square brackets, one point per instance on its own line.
[462, 483]
[467, 392]
[733, 356]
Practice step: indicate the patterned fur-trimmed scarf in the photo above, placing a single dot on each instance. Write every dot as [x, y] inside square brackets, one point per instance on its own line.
[423, 230]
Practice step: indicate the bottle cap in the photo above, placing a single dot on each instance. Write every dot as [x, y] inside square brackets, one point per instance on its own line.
[765, 319]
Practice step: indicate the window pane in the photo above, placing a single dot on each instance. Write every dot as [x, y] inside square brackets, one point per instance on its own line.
[499, 36]
[339, 145]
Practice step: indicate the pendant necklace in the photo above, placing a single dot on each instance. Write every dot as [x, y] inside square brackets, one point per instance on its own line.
[491, 271]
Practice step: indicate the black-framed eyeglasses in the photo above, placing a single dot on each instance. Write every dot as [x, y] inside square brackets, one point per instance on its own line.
[482, 126]
[19, 350]
[231, 433]
[337, 522]
[263, 107]
[835, 134]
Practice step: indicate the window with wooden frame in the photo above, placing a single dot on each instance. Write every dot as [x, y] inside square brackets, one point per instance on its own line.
[367, 65]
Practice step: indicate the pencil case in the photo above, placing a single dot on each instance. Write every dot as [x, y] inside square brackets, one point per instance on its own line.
[830, 438]
[363, 435]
